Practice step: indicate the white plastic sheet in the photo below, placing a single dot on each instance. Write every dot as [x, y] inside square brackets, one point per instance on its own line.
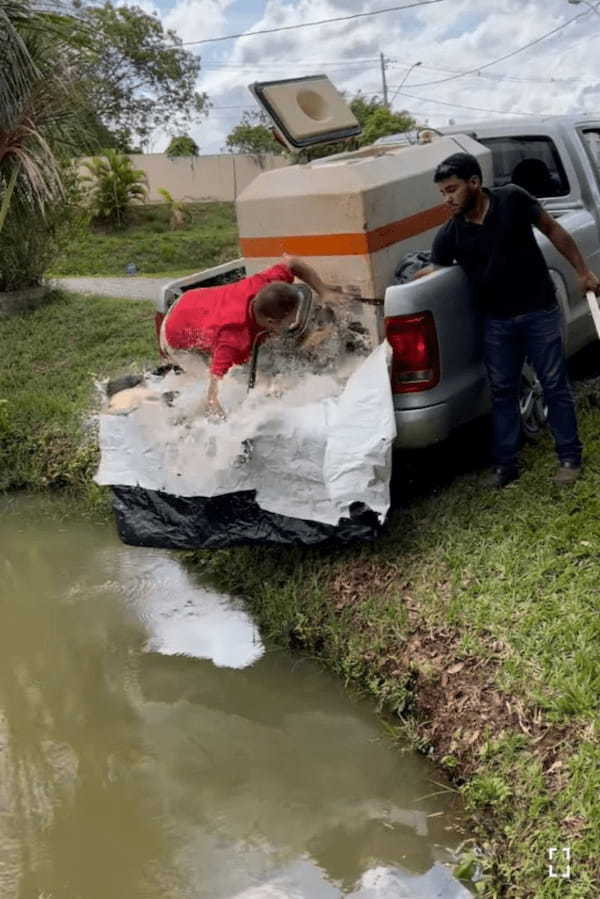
[311, 453]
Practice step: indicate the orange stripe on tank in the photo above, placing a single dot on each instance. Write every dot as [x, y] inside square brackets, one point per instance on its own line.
[306, 245]
[351, 244]
[412, 226]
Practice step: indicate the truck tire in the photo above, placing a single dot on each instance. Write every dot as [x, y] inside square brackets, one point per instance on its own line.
[534, 411]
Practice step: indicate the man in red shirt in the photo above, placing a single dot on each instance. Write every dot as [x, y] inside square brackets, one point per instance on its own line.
[222, 324]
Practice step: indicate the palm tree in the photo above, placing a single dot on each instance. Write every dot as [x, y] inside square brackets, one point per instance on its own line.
[39, 124]
[35, 114]
[114, 185]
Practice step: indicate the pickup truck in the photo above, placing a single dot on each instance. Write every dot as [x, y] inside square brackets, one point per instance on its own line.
[438, 379]
[558, 160]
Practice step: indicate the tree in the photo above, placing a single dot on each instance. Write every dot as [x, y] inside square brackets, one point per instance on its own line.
[253, 135]
[375, 120]
[182, 146]
[135, 76]
[382, 122]
[38, 126]
[113, 185]
[30, 99]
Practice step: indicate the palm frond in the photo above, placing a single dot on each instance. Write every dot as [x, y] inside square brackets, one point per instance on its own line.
[37, 116]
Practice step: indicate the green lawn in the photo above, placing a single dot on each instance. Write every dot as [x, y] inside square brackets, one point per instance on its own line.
[209, 239]
[49, 362]
[475, 619]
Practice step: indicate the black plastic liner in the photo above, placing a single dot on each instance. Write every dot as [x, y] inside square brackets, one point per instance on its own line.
[160, 520]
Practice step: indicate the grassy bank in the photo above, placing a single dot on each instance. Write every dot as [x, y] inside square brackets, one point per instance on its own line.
[209, 239]
[49, 362]
[475, 618]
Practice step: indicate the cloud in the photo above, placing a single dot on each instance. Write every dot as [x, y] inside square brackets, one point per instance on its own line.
[557, 75]
[194, 19]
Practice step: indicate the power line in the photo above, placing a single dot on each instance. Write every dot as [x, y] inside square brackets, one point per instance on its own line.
[499, 76]
[473, 108]
[358, 15]
[287, 62]
[284, 65]
[486, 65]
[334, 70]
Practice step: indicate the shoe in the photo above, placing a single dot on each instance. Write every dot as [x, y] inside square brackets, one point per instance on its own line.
[503, 475]
[567, 473]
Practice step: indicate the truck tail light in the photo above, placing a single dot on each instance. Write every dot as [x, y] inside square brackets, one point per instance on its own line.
[416, 356]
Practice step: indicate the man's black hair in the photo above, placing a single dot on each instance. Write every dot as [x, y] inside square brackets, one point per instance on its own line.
[463, 165]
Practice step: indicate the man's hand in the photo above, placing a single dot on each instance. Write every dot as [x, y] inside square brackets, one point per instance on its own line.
[589, 281]
[329, 293]
[215, 410]
[333, 294]
[305, 272]
[423, 272]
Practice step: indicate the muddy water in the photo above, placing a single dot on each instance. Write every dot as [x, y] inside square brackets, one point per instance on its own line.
[150, 748]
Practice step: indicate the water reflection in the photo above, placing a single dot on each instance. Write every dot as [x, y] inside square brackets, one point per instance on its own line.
[183, 620]
[130, 770]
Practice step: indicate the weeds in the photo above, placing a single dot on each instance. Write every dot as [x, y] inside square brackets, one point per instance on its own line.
[50, 359]
[210, 237]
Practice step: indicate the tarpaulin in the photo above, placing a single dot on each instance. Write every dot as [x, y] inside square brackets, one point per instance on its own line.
[310, 465]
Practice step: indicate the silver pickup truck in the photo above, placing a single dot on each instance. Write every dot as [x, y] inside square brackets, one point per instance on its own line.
[435, 313]
[438, 379]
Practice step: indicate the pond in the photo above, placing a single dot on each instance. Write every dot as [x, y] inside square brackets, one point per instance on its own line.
[152, 747]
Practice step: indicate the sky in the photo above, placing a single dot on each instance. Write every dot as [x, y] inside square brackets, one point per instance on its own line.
[560, 74]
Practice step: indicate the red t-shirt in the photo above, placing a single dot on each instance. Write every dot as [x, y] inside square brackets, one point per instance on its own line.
[219, 320]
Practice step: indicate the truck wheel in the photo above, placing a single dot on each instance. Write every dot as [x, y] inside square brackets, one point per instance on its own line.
[534, 411]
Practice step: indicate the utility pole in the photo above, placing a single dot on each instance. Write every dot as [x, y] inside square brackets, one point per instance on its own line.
[384, 82]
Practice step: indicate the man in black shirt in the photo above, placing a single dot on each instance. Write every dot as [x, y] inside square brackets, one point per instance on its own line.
[490, 236]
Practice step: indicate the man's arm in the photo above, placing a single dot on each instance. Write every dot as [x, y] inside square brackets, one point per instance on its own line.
[306, 273]
[214, 408]
[428, 270]
[442, 254]
[565, 245]
[220, 363]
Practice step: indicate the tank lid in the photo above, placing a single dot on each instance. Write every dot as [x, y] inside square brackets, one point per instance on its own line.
[306, 111]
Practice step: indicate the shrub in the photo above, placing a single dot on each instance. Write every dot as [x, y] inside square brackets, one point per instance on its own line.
[177, 212]
[30, 240]
[113, 185]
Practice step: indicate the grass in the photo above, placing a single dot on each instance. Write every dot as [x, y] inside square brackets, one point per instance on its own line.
[50, 360]
[209, 239]
[475, 619]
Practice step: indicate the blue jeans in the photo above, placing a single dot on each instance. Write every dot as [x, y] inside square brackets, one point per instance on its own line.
[507, 343]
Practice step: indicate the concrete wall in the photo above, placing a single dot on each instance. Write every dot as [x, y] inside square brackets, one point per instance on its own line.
[220, 177]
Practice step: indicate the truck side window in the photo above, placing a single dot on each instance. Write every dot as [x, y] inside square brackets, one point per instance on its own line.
[531, 162]
[592, 142]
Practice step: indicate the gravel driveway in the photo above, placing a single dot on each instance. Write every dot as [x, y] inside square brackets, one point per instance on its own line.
[129, 288]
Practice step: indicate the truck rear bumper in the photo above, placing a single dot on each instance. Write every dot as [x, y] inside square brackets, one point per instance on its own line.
[418, 428]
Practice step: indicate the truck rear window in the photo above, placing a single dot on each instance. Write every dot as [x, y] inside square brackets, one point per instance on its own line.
[531, 162]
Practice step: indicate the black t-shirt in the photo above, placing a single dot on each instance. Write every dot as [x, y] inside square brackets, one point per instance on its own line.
[501, 257]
